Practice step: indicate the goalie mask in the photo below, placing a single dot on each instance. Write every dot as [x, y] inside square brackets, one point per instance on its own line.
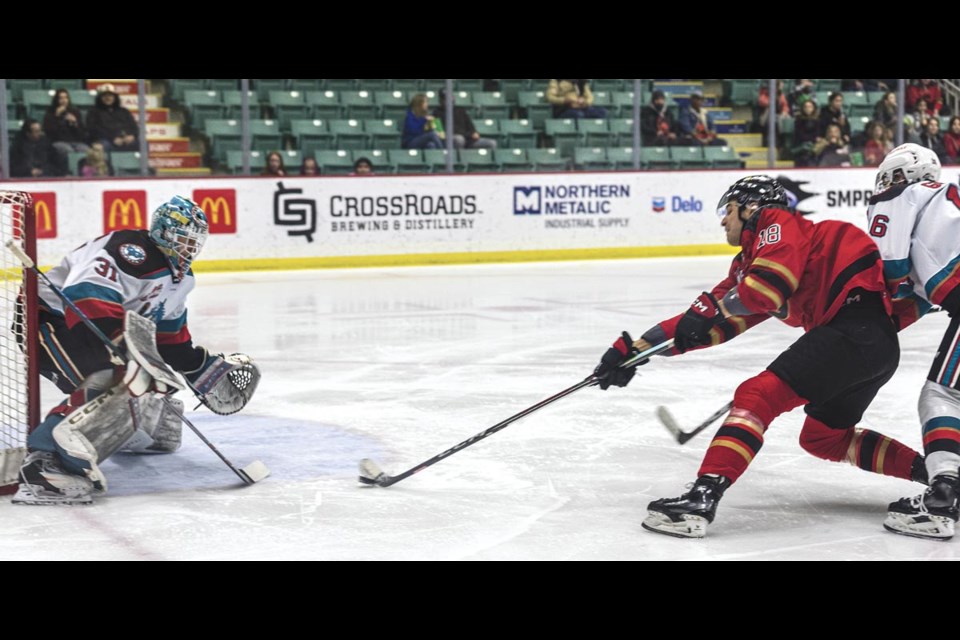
[179, 228]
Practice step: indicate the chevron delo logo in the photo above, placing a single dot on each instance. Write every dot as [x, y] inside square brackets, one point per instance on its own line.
[527, 200]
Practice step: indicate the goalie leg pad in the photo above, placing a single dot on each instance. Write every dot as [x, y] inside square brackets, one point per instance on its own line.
[160, 428]
[93, 432]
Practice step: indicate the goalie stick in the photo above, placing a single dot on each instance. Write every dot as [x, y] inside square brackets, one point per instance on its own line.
[253, 472]
[371, 473]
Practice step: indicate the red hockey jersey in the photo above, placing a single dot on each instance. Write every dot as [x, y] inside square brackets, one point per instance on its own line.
[795, 270]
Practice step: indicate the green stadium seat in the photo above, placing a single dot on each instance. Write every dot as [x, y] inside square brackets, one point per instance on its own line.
[787, 126]
[408, 160]
[73, 162]
[622, 128]
[595, 132]
[358, 105]
[468, 85]
[478, 160]
[340, 84]
[203, 105]
[311, 135]
[18, 86]
[288, 106]
[722, 157]
[564, 133]
[12, 110]
[461, 99]
[511, 88]
[512, 160]
[349, 134]
[657, 158]
[547, 160]
[265, 86]
[125, 163]
[265, 135]
[326, 104]
[374, 84]
[258, 160]
[828, 85]
[851, 98]
[305, 84]
[36, 102]
[84, 100]
[178, 86]
[744, 91]
[334, 162]
[858, 124]
[608, 84]
[407, 85]
[591, 159]
[689, 157]
[536, 106]
[233, 99]
[623, 104]
[377, 157]
[492, 104]
[436, 160]
[223, 84]
[859, 111]
[519, 133]
[384, 134]
[13, 129]
[70, 84]
[489, 128]
[621, 157]
[393, 104]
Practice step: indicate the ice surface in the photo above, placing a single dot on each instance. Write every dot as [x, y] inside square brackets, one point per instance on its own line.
[400, 364]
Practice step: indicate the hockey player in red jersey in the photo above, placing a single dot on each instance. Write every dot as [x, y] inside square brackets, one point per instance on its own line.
[826, 278]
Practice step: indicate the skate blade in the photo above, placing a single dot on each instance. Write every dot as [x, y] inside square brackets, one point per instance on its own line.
[929, 526]
[688, 527]
[45, 498]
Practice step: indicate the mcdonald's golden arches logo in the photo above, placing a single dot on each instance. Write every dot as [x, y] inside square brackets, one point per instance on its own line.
[124, 210]
[220, 205]
[45, 212]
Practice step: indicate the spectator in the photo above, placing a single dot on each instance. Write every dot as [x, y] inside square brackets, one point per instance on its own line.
[111, 123]
[763, 102]
[274, 165]
[32, 155]
[693, 123]
[465, 134]
[806, 131]
[95, 164]
[832, 150]
[833, 114]
[309, 167]
[927, 89]
[886, 110]
[951, 141]
[921, 115]
[801, 93]
[362, 167]
[656, 122]
[932, 139]
[573, 99]
[870, 84]
[877, 145]
[419, 128]
[63, 125]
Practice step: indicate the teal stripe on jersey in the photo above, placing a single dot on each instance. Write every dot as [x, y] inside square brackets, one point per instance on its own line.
[172, 326]
[940, 276]
[896, 269]
[85, 290]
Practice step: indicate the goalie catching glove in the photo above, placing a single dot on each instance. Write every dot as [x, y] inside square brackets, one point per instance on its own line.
[225, 384]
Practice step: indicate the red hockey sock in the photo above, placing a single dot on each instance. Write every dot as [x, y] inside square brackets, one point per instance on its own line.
[869, 450]
[755, 404]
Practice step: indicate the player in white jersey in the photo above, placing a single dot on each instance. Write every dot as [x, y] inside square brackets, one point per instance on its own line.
[915, 221]
[146, 272]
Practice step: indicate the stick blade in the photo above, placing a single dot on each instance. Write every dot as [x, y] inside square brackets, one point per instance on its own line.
[370, 472]
[667, 419]
[255, 471]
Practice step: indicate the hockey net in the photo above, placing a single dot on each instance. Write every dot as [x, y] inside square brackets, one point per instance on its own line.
[19, 389]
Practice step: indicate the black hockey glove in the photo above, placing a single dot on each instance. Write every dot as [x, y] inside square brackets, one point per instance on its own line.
[609, 370]
[693, 330]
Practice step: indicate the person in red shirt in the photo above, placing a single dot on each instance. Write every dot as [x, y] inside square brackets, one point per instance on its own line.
[828, 279]
[927, 89]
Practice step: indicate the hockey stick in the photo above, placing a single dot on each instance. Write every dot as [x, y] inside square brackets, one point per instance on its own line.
[372, 474]
[253, 472]
[682, 436]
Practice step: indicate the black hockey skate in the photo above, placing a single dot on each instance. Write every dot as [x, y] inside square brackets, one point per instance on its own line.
[931, 514]
[43, 482]
[688, 515]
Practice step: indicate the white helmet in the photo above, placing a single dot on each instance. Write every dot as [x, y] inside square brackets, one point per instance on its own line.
[907, 164]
